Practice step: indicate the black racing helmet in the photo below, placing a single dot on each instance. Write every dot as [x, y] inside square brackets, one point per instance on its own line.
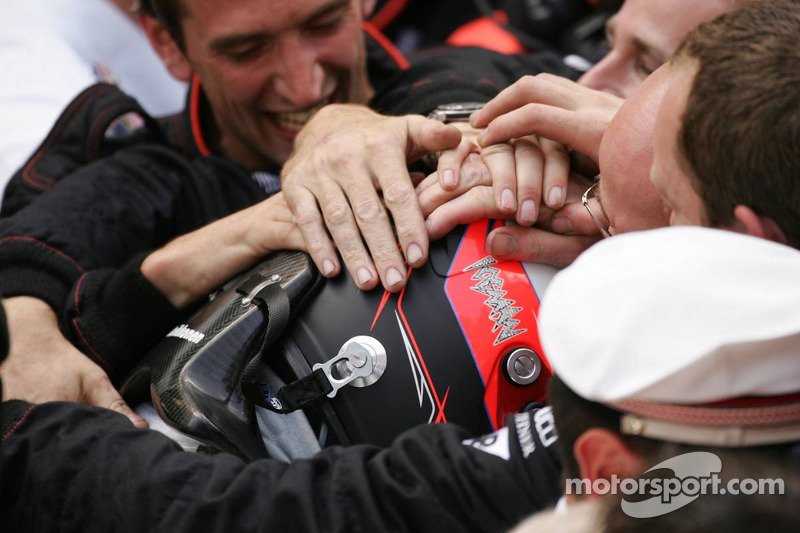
[458, 345]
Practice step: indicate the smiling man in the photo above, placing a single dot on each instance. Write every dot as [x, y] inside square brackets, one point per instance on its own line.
[265, 67]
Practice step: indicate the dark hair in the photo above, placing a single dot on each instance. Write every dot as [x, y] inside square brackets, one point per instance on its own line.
[574, 415]
[169, 13]
[741, 130]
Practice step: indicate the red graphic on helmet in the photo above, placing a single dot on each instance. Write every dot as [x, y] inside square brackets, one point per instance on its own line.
[496, 306]
[426, 390]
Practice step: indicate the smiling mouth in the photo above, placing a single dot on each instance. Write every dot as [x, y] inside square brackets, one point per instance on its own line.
[294, 122]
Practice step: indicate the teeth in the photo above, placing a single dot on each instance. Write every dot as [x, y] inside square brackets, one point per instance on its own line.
[296, 121]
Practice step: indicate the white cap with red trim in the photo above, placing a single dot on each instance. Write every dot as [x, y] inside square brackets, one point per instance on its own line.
[694, 333]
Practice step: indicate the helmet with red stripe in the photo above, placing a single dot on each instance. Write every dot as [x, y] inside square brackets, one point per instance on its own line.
[458, 345]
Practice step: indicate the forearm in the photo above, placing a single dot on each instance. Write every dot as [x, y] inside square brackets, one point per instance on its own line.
[428, 480]
[42, 365]
[115, 316]
[192, 266]
[106, 212]
[195, 264]
[39, 355]
[34, 338]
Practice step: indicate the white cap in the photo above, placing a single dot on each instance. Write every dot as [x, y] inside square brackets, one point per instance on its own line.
[663, 323]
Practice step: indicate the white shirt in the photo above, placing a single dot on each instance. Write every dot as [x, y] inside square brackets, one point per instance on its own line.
[50, 50]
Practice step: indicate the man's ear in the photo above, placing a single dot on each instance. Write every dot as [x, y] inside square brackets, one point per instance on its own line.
[167, 49]
[747, 221]
[602, 453]
[368, 6]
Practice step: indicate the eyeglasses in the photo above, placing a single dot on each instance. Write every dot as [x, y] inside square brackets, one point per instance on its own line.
[593, 193]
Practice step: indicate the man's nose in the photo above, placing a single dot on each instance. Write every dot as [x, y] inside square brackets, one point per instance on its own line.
[609, 76]
[300, 77]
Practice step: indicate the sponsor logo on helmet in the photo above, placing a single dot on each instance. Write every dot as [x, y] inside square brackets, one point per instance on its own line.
[186, 333]
[503, 311]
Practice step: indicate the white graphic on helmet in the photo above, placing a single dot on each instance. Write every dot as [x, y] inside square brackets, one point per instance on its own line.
[186, 333]
[503, 311]
[419, 378]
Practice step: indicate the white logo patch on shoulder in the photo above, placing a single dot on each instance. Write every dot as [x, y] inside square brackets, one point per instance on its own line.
[495, 444]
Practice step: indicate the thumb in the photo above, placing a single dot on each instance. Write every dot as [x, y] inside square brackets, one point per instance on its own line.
[532, 244]
[102, 393]
[574, 219]
[427, 135]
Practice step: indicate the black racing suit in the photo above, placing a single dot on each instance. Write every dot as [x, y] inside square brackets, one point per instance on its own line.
[69, 467]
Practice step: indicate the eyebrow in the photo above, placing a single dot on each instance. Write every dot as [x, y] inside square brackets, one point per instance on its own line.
[221, 44]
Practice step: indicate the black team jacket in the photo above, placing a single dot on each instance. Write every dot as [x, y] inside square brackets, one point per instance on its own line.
[68, 467]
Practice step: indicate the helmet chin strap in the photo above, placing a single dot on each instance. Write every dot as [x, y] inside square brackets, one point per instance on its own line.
[360, 362]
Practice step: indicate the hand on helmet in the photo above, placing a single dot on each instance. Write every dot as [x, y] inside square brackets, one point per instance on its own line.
[347, 180]
[556, 239]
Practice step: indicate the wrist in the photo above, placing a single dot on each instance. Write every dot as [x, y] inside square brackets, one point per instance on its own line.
[159, 270]
[22, 310]
[192, 266]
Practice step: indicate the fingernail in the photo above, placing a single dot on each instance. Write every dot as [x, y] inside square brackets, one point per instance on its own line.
[393, 277]
[507, 200]
[413, 254]
[473, 118]
[561, 225]
[528, 211]
[481, 139]
[556, 197]
[501, 244]
[327, 267]
[449, 178]
[364, 276]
